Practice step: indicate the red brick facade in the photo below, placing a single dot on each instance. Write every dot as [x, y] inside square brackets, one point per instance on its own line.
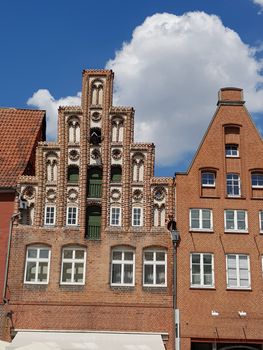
[20, 132]
[214, 315]
[95, 139]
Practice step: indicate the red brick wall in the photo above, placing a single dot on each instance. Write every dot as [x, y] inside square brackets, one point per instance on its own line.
[6, 211]
[196, 304]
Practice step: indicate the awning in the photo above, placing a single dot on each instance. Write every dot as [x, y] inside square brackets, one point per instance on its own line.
[3, 344]
[85, 341]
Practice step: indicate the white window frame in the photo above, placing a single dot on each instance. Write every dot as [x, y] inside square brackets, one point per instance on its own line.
[235, 183]
[202, 272]
[68, 210]
[37, 260]
[140, 217]
[46, 216]
[238, 269]
[208, 184]
[123, 262]
[201, 228]
[112, 209]
[232, 148]
[73, 261]
[236, 229]
[155, 263]
[257, 185]
[260, 216]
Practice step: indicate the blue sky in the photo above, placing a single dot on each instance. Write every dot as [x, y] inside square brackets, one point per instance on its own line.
[46, 44]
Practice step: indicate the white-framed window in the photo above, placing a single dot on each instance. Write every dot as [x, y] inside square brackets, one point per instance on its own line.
[233, 185]
[155, 268]
[232, 150]
[37, 265]
[72, 216]
[236, 220]
[115, 216]
[137, 218]
[261, 221]
[202, 270]
[238, 271]
[208, 179]
[257, 180]
[122, 267]
[201, 219]
[50, 215]
[73, 265]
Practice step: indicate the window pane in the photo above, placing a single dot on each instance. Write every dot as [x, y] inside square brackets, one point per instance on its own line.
[128, 273]
[160, 274]
[68, 254]
[148, 256]
[78, 272]
[31, 271]
[117, 255]
[196, 258]
[128, 256]
[196, 279]
[148, 274]
[44, 253]
[32, 253]
[66, 272]
[208, 280]
[79, 254]
[42, 271]
[160, 256]
[116, 273]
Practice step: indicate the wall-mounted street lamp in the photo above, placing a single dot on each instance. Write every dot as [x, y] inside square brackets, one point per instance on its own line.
[175, 237]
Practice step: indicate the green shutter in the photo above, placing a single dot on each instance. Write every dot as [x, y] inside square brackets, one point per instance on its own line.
[94, 183]
[73, 174]
[93, 222]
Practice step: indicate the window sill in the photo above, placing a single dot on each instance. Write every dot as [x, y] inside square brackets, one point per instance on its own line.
[235, 157]
[235, 197]
[122, 288]
[195, 230]
[236, 231]
[208, 186]
[155, 289]
[202, 288]
[249, 289]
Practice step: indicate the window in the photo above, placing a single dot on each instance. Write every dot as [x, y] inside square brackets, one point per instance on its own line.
[208, 179]
[202, 270]
[232, 150]
[238, 271]
[122, 267]
[50, 215]
[201, 219]
[115, 216]
[136, 216]
[73, 173]
[116, 172]
[236, 220]
[73, 266]
[72, 216]
[233, 185]
[154, 268]
[261, 220]
[257, 180]
[37, 265]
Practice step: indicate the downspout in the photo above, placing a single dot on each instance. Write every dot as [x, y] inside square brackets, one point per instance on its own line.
[12, 219]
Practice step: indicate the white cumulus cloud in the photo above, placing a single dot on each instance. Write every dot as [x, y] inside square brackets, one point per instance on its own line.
[44, 100]
[259, 2]
[171, 71]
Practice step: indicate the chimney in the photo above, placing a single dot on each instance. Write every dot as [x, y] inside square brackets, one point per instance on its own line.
[230, 96]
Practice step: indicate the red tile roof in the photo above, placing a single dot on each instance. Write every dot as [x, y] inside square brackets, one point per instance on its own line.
[19, 133]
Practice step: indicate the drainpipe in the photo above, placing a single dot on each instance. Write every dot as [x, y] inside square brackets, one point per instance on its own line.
[12, 219]
[175, 237]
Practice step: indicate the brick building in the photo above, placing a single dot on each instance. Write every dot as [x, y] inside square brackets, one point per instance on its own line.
[220, 220]
[20, 132]
[96, 254]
